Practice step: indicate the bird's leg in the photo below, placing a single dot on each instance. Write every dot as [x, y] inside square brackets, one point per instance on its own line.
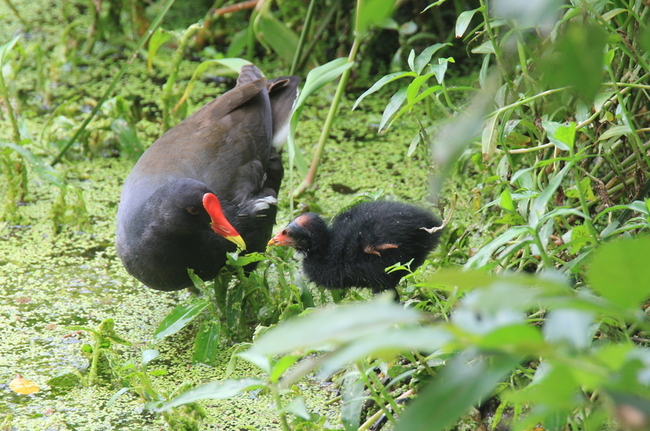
[375, 250]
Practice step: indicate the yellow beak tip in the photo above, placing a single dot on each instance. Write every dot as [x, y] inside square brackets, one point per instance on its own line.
[238, 240]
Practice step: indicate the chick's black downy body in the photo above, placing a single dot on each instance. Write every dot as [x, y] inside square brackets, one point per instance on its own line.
[361, 243]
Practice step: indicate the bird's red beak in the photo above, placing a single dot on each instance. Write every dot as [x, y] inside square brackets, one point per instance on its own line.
[220, 224]
[282, 239]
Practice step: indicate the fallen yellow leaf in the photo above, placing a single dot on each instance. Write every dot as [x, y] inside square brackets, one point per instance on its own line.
[23, 386]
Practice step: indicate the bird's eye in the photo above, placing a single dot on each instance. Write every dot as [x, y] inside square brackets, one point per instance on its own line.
[192, 210]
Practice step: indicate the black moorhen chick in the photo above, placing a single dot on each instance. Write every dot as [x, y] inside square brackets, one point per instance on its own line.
[204, 182]
[361, 243]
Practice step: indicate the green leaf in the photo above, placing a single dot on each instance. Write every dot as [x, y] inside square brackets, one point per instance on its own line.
[158, 39]
[466, 380]
[149, 355]
[441, 68]
[352, 400]
[4, 49]
[619, 271]
[554, 386]
[371, 13]
[521, 339]
[424, 57]
[333, 325]
[275, 34]
[570, 326]
[316, 79]
[393, 106]
[214, 391]
[484, 254]
[385, 343]
[232, 64]
[463, 21]
[506, 201]
[379, 84]
[562, 136]
[298, 407]
[414, 87]
[538, 208]
[206, 343]
[282, 365]
[180, 317]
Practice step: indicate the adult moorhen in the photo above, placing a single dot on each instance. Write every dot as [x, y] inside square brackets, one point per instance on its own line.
[361, 243]
[204, 182]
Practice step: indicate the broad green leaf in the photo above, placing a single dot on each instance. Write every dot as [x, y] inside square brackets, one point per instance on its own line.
[461, 384]
[463, 21]
[157, 39]
[615, 132]
[386, 344]
[179, 318]
[214, 391]
[441, 68]
[562, 136]
[553, 386]
[414, 87]
[424, 57]
[298, 407]
[521, 339]
[333, 325]
[506, 201]
[352, 400]
[241, 260]
[4, 49]
[206, 343]
[275, 34]
[149, 355]
[282, 365]
[570, 326]
[370, 13]
[486, 47]
[379, 84]
[619, 271]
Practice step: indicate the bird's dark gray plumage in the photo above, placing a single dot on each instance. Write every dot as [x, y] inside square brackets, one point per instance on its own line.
[225, 149]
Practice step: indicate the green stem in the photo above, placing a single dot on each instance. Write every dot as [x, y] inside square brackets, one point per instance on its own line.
[311, 175]
[10, 109]
[373, 392]
[278, 405]
[303, 36]
[583, 201]
[154, 25]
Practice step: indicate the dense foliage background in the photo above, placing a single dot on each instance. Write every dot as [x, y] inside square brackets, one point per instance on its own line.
[532, 118]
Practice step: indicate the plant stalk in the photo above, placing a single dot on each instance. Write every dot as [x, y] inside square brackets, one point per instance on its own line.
[311, 175]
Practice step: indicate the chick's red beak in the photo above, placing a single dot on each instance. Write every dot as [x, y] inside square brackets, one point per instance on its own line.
[282, 238]
[219, 223]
